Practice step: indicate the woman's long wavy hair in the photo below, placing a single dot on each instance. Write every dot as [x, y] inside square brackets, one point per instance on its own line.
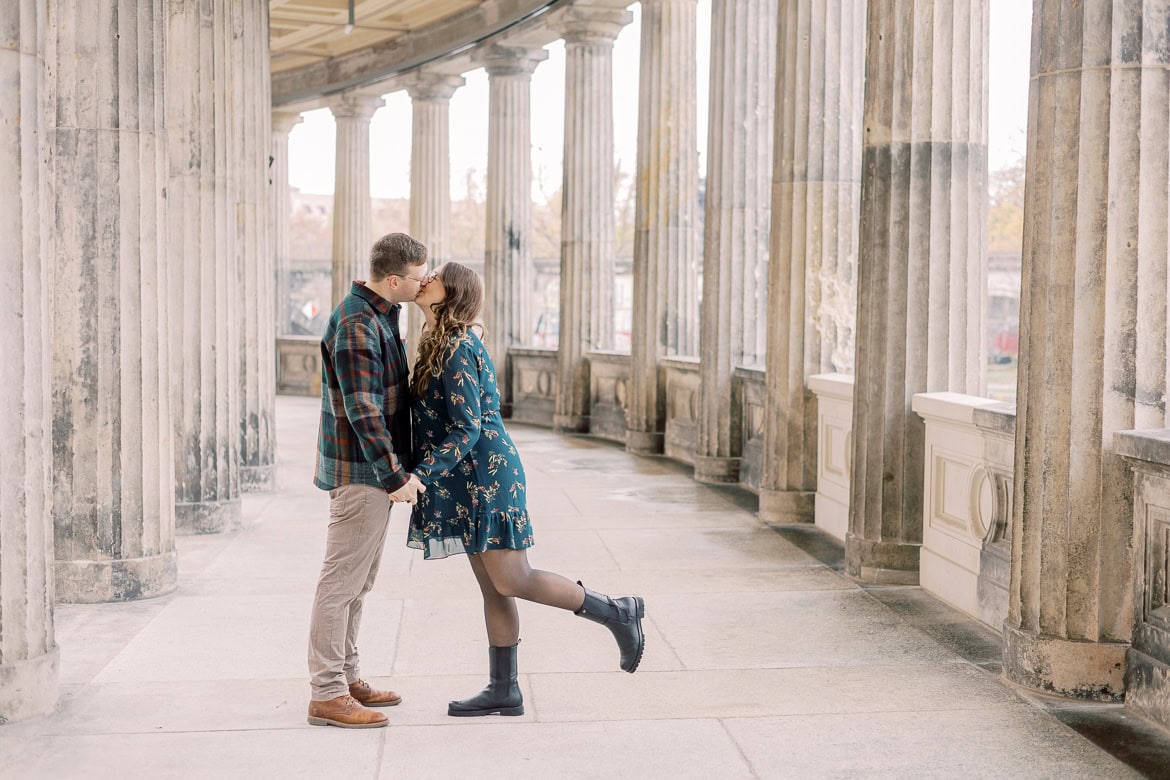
[454, 315]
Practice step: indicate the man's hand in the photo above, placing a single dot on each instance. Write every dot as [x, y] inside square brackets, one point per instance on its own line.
[409, 492]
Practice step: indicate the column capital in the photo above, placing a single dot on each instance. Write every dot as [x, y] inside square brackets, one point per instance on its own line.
[592, 23]
[429, 85]
[508, 60]
[285, 121]
[350, 105]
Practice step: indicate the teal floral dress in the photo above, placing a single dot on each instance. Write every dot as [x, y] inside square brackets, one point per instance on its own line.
[475, 484]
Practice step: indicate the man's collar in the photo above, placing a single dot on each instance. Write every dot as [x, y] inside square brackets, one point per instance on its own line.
[379, 303]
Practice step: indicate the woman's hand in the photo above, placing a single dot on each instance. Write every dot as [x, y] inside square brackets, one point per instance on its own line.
[409, 492]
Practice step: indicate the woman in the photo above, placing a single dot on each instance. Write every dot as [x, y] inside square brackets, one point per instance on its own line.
[474, 501]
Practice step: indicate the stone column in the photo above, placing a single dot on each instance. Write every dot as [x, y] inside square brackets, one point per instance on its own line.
[28, 650]
[106, 242]
[1092, 338]
[735, 246]
[921, 261]
[508, 272]
[666, 221]
[430, 176]
[202, 299]
[352, 209]
[587, 219]
[815, 202]
[256, 348]
[282, 124]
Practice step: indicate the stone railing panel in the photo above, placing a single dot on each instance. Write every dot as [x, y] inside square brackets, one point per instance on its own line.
[682, 379]
[997, 424]
[967, 484]
[609, 377]
[1147, 667]
[298, 361]
[834, 394]
[748, 389]
[534, 384]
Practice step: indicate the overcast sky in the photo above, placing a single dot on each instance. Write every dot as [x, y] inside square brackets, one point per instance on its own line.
[311, 143]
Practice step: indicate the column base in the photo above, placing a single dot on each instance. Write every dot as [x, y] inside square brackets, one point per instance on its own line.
[1065, 667]
[127, 579]
[29, 688]
[787, 506]
[716, 470]
[571, 423]
[207, 517]
[257, 479]
[881, 563]
[641, 443]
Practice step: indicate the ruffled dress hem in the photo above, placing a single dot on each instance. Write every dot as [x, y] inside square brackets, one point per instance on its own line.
[499, 530]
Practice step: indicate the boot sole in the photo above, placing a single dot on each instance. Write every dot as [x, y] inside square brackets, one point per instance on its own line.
[326, 722]
[506, 711]
[641, 634]
[394, 703]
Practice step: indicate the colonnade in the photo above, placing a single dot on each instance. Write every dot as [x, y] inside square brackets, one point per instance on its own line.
[864, 250]
[134, 141]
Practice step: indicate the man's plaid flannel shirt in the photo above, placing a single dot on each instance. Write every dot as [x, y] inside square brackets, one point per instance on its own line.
[365, 404]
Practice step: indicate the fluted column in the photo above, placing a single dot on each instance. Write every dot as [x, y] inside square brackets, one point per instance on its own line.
[282, 124]
[587, 220]
[921, 260]
[430, 176]
[352, 207]
[815, 202]
[1092, 337]
[508, 272]
[666, 220]
[106, 241]
[202, 299]
[256, 348]
[28, 650]
[735, 246]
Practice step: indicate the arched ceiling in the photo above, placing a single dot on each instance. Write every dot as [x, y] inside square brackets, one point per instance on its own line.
[313, 54]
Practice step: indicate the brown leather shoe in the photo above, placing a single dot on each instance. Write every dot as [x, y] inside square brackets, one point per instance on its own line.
[371, 697]
[346, 712]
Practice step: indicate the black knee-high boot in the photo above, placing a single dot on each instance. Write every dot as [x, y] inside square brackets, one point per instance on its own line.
[502, 694]
[623, 617]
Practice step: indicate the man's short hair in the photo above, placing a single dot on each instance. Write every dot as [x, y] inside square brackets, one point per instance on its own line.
[395, 253]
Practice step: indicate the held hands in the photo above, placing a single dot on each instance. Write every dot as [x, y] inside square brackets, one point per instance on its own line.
[409, 492]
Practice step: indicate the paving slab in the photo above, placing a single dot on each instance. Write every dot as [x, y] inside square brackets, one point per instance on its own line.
[668, 749]
[209, 753]
[1012, 742]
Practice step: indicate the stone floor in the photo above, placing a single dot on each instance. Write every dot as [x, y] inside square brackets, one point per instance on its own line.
[762, 659]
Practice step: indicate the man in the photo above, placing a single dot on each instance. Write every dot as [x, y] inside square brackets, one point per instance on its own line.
[363, 453]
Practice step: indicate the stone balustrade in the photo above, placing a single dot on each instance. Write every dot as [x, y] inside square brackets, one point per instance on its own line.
[1147, 662]
[298, 365]
[748, 391]
[970, 451]
[681, 378]
[533, 379]
[609, 380]
[834, 393]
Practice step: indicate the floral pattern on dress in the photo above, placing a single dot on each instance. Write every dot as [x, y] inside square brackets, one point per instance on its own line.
[475, 497]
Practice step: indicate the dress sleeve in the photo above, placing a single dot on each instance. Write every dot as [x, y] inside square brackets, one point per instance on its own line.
[460, 381]
[359, 367]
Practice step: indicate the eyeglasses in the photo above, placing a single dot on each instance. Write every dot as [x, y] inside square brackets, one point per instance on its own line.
[424, 280]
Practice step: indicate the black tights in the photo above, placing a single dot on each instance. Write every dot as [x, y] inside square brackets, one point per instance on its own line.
[504, 576]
